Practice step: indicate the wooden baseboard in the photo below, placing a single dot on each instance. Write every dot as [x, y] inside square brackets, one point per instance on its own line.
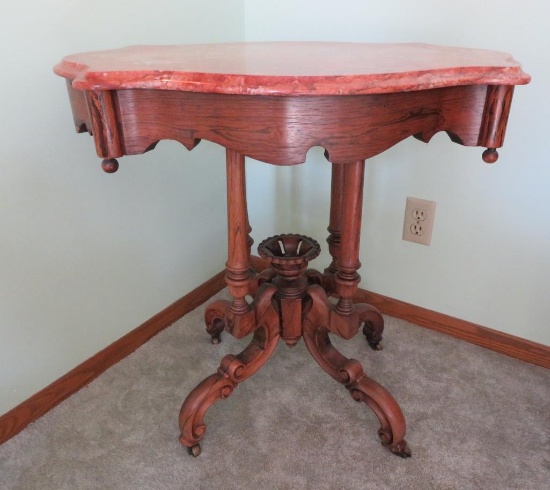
[504, 343]
[30, 410]
[14, 421]
[510, 345]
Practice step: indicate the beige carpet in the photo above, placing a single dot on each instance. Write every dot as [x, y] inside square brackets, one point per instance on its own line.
[476, 419]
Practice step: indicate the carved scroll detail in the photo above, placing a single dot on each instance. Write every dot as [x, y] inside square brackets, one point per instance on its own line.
[350, 373]
[232, 371]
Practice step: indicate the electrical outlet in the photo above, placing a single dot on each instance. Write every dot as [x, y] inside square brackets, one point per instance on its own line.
[419, 220]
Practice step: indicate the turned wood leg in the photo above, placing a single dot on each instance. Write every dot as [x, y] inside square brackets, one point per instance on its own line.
[232, 371]
[335, 222]
[237, 270]
[237, 274]
[350, 373]
[345, 228]
[347, 278]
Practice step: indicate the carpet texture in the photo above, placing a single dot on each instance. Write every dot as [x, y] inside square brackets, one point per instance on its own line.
[476, 419]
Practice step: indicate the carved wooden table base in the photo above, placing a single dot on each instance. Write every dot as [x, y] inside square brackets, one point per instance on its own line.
[290, 302]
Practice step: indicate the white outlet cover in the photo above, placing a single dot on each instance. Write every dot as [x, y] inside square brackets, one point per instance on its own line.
[419, 221]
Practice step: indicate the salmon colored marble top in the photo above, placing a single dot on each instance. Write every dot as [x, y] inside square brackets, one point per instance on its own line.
[290, 68]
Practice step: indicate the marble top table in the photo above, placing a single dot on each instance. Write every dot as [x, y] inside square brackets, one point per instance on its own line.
[290, 68]
[273, 102]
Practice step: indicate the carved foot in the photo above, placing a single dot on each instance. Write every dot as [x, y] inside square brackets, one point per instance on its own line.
[373, 325]
[402, 449]
[232, 371]
[194, 450]
[214, 317]
[382, 403]
[350, 373]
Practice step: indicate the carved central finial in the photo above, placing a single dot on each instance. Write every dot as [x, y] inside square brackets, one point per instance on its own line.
[289, 254]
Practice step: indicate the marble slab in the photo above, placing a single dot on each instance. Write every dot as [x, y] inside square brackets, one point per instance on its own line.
[290, 68]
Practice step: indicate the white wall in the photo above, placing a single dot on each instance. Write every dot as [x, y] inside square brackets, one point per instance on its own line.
[84, 256]
[489, 261]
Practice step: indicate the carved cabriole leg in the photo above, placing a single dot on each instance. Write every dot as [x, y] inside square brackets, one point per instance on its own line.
[350, 373]
[232, 371]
